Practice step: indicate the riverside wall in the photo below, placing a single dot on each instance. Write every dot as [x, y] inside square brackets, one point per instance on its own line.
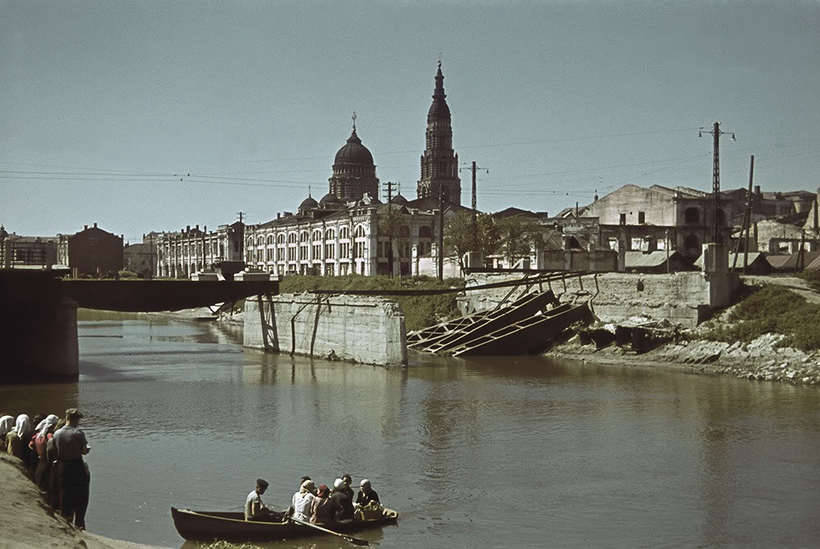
[369, 330]
[683, 298]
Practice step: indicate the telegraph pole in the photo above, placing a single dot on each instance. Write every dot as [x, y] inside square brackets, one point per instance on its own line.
[716, 133]
[441, 200]
[390, 220]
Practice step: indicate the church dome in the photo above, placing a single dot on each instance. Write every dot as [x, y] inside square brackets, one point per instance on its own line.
[308, 204]
[353, 152]
[330, 201]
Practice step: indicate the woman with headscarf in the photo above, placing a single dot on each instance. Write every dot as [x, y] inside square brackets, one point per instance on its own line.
[6, 425]
[39, 443]
[303, 500]
[18, 437]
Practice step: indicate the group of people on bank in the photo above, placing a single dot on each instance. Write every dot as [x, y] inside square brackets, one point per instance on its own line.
[52, 450]
[317, 505]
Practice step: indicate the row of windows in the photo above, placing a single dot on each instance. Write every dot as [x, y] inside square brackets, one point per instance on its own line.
[330, 234]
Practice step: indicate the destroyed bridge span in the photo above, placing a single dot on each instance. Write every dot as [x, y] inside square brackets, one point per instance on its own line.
[39, 326]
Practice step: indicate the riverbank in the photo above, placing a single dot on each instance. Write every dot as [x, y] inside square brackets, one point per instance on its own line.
[30, 522]
[759, 360]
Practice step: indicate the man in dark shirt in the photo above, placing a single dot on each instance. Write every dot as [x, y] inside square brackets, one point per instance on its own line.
[71, 446]
[366, 494]
[343, 499]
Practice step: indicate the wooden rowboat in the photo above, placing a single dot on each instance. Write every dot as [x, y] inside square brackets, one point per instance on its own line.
[232, 526]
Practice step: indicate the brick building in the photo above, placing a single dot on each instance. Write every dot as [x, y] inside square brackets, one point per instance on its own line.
[91, 252]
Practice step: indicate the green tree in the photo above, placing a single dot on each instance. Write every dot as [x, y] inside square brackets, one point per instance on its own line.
[460, 237]
[517, 235]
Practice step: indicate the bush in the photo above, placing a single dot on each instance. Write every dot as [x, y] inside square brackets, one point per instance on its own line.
[419, 311]
[772, 309]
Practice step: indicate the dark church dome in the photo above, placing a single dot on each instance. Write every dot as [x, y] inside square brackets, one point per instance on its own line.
[308, 204]
[329, 202]
[353, 152]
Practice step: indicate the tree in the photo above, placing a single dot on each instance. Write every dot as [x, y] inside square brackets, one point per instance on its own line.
[460, 237]
[517, 236]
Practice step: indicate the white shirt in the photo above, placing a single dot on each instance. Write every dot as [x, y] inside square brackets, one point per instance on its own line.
[253, 501]
[301, 505]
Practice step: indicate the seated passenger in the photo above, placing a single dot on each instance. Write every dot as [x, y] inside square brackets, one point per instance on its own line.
[323, 509]
[303, 500]
[254, 508]
[343, 498]
[366, 494]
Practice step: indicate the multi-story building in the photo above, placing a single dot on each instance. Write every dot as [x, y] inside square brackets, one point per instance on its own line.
[91, 252]
[18, 251]
[190, 250]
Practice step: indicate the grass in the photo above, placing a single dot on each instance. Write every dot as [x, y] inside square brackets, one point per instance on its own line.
[772, 309]
[419, 311]
[812, 277]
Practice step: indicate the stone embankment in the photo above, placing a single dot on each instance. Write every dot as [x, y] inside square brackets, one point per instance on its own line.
[759, 360]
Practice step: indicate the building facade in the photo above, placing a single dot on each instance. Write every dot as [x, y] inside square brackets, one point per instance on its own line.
[91, 252]
[182, 253]
[18, 251]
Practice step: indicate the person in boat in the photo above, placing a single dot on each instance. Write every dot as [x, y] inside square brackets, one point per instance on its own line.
[366, 494]
[71, 446]
[343, 496]
[348, 480]
[254, 508]
[323, 510]
[303, 500]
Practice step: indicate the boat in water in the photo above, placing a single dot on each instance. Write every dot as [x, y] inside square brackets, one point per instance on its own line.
[232, 526]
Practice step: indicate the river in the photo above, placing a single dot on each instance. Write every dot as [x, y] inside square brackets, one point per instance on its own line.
[502, 452]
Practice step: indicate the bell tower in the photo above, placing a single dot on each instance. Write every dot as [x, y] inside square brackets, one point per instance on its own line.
[439, 163]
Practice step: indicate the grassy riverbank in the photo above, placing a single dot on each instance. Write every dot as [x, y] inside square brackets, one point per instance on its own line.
[770, 334]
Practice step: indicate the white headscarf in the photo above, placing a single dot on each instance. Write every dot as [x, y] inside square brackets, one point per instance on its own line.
[49, 422]
[6, 424]
[23, 425]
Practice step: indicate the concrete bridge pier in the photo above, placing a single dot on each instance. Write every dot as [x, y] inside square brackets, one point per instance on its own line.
[38, 342]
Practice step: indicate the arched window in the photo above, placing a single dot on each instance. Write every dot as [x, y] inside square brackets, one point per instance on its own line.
[691, 216]
[269, 240]
[280, 238]
[259, 241]
[330, 234]
[344, 233]
[291, 238]
[250, 242]
[317, 234]
[304, 236]
[359, 231]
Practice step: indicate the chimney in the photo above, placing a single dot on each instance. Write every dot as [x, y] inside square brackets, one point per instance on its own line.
[85, 227]
[187, 228]
[278, 215]
[757, 190]
[197, 227]
[95, 224]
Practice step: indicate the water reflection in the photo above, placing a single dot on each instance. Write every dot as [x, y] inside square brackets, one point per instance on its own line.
[505, 452]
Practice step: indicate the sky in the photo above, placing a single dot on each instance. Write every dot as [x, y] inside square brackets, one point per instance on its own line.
[152, 115]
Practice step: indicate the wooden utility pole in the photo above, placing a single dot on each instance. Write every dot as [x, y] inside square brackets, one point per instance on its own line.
[441, 200]
[747, 218]
[716, 133]
[390, 223]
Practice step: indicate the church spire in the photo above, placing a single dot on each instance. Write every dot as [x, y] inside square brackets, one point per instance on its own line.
[439, 163]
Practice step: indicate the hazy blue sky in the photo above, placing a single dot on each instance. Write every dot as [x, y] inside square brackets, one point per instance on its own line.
[102, 102]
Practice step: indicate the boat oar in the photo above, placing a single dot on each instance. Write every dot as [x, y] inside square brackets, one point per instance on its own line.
[351, 539]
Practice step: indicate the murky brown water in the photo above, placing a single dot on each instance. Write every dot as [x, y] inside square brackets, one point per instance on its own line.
[506, 452]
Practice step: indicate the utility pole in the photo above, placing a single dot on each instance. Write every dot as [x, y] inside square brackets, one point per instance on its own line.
[441, 200]
[747, 220]
[241, 216]
[390, 223]
[716, 133]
